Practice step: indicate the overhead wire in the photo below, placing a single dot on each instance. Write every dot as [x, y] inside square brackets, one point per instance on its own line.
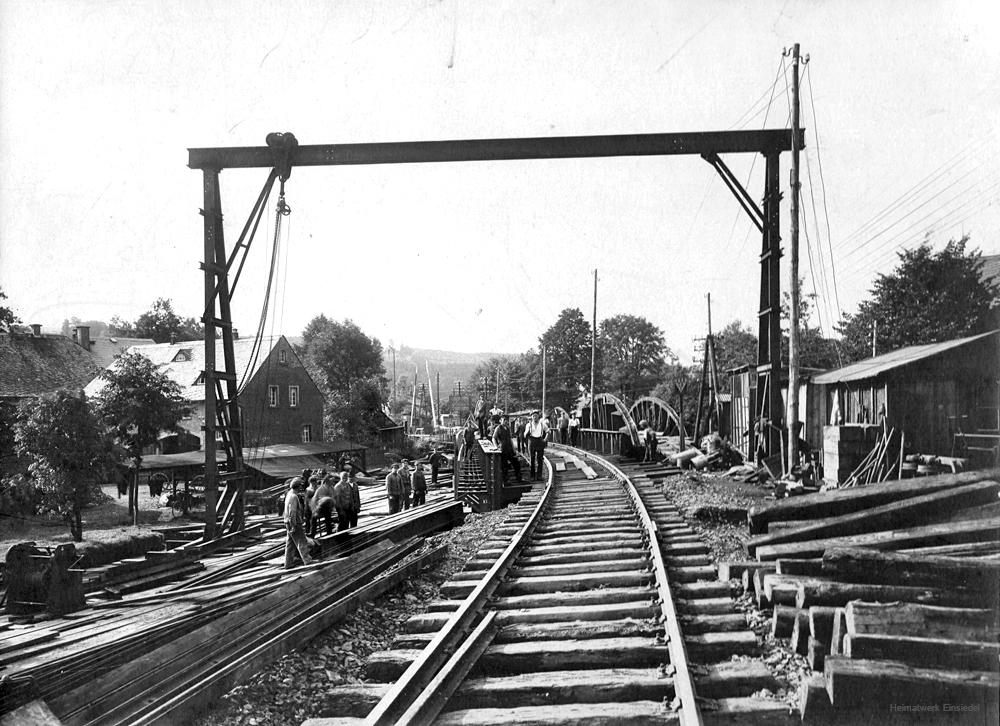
[983, 193]
[822, 181]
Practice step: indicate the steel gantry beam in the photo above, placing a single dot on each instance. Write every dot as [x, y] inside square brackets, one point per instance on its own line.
[221, 409]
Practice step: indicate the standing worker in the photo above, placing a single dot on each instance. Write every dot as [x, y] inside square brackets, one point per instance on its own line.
[342, 500]
[355, 510]
[436, 458]
[538, 430]
[419, 486]
[501, 437]
[574, 429]
[295, 525]
[404, 474]
[321, 504]
[564, 428]
[394, 488]
[481, 414]
[468, 441]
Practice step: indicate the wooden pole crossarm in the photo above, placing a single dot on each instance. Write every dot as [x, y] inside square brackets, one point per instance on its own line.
[553, 147]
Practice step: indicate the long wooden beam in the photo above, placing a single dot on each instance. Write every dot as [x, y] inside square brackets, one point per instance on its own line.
[553, 147]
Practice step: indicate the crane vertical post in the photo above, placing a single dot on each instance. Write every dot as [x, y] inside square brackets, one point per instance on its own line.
[769, 316]
[212, 212]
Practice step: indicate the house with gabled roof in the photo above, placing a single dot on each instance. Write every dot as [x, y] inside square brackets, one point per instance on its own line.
[279, 401]
[33, 363]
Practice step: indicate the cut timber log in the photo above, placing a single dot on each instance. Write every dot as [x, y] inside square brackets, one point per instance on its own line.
[752, 579]
[783, 620]
[921, 620]
[845, 501]
[811, 567]
[877, 685]
[891, 568]
[829, 592]
[816, 652]
[821, 623]
[925, 652]
[905, 513]
[800, 634]
[979, 530]
[838, 632]
[777, 590]
[734, 570]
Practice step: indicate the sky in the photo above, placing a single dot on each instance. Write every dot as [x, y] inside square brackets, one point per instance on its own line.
[100, 100]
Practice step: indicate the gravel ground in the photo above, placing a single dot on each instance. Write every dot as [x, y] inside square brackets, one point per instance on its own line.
[299, 685]
[716, 506]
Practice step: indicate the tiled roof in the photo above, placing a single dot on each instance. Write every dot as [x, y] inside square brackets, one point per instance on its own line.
[31, 366]
[991, 269]
[184, 362]
[872, 367]
[106, 350]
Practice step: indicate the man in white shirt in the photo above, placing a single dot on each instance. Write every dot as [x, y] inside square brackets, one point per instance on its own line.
[537, 432]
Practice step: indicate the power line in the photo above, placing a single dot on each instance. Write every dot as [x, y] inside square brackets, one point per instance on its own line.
[822, 181]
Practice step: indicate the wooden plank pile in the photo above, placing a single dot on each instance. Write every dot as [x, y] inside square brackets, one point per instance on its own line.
[892, 592]
[157, 656]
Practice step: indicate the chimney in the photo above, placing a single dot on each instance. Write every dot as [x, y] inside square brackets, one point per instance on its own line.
[36, 330]
[83, 337]
[236, 333]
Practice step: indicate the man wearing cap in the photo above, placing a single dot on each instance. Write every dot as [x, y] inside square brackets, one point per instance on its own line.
[394, 488]
[481, 413]
[295, 525]
[404, 476]
[419, 485]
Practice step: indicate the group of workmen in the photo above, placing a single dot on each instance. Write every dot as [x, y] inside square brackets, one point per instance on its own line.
[312, 498]
[530, 435]
[405, 485]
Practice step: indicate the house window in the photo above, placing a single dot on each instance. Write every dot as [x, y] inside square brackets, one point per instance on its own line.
[272, 396]
[293, 396]
[283, 357]
[182, 356]
[307, 433]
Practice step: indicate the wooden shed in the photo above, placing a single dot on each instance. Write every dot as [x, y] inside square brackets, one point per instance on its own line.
[941, 395]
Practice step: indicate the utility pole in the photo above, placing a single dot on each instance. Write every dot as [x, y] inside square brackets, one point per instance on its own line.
[393, 350]
[438, 374]
[434, 413]
[794, 425]
[593, 347]
[543, 381]
[497, 402]
[413, 402]
[874, 337]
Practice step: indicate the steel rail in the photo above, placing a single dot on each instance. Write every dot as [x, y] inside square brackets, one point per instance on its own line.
[412, 699]
[684, 691]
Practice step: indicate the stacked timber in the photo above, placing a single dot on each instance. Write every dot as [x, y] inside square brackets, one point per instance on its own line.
[892, 592]
[159, 656]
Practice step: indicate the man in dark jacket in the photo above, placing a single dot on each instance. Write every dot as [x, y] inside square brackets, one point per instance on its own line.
[355, 509]
[342, 500]
[419, 486]
[394, 489]
[482, 414]
[501, 437]
[436, 458]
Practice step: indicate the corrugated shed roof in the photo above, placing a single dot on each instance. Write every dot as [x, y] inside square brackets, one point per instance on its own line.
[253, 457]
[105, 350]
[896, 359]
[31, 366]
[184, 362]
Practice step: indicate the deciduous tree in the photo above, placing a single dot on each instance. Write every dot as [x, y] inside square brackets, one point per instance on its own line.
[567, 351]
[137, 402]
[339, 353]
[634, 354]
[68, 452]
[160, 323]
[7, 316]
[929, 297]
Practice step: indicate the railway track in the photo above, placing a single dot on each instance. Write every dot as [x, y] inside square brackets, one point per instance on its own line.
[595, 603]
